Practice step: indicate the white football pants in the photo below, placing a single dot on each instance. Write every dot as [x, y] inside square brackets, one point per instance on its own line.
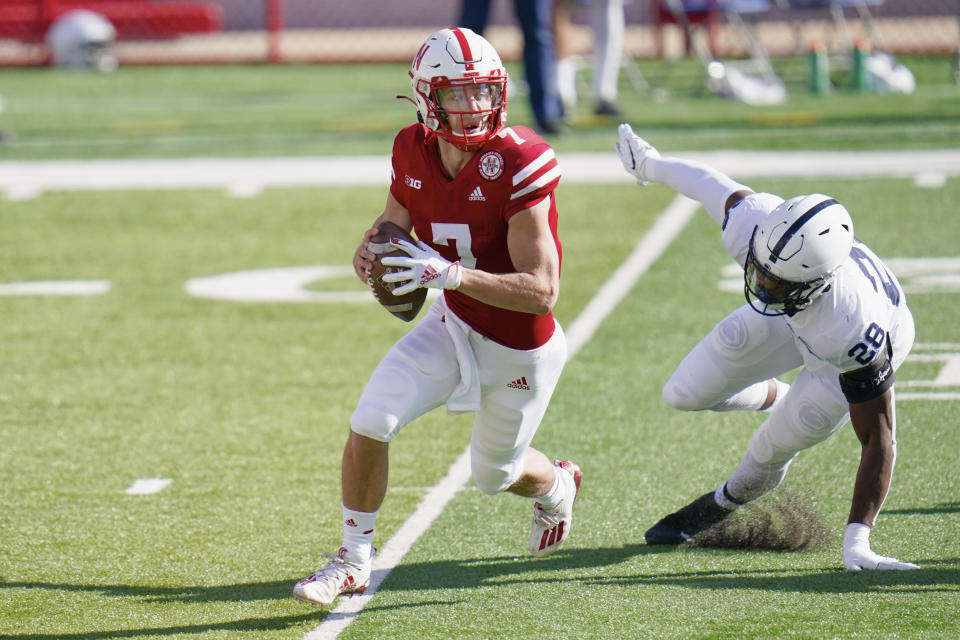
[746, 348]
[423, 371]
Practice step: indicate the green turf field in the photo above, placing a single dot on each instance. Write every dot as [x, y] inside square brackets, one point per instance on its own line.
[320, 110]
[245, 405]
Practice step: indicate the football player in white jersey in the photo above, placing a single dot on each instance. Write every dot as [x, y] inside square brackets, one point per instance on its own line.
[816, 297]
[480, 196]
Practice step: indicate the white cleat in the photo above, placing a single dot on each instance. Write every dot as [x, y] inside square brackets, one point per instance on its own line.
[634, 151]
[340, 576]
[551, 528]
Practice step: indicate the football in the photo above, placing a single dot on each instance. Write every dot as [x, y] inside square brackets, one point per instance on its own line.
[405, 307]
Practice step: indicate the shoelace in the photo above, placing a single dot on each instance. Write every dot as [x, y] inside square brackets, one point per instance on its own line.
[547, 518]
[336, 568]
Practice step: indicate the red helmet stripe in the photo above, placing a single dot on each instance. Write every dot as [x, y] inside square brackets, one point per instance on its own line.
[420, 54]
[464, 45]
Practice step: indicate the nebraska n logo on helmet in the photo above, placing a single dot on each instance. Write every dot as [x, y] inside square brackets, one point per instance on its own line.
[794, 253]
[462, 67]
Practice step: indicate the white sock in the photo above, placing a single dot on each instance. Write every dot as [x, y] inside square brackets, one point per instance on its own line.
[695, 180]
[567, 83]
[782, 388]
[721, 498]
[358, 534]
[552, 498]
[749, 399]
[608, 27]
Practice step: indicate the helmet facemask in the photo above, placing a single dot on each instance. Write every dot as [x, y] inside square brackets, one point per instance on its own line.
[770, 295]
[474, 108]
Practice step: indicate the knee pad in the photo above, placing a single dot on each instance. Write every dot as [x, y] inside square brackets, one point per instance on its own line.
[369, 421]
[490, 478]
[731, 334]
[785, 433]
[678, 396]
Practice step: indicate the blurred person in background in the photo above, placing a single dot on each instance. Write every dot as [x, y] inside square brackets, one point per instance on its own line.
[608, 23]
[539, 55]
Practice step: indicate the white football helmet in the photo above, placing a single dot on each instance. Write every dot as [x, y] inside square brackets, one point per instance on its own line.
[457, 59]
[82, 39]
[794, 253]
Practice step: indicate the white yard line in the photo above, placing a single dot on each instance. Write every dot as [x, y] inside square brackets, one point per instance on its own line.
[20, 180]
[670, 223]
[148, 486]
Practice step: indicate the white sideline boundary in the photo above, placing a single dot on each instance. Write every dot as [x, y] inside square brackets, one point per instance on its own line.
[670, 223]
[244, 177]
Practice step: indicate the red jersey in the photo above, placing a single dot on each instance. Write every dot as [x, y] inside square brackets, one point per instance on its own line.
[465, 218]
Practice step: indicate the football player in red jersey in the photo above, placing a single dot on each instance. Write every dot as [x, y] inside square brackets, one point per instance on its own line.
[480, 198]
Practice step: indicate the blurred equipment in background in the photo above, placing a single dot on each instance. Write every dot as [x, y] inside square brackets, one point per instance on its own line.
[158, 32]
[82, 39]
[752, 81]
[886, 75]
[843, 35]
[872, 66]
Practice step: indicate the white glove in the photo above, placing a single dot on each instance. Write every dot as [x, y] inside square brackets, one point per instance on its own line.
[425, 268]
[857, 555]
[634, 151]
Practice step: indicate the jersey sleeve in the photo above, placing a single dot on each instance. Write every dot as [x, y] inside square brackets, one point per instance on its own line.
[398, 160]
[742, 219]
[395, 189]
[536, 174]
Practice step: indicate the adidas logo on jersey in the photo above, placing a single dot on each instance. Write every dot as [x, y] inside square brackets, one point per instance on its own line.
[519, 383]
[476, 194]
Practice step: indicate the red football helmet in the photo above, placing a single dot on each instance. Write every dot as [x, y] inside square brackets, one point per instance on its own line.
[460, 87]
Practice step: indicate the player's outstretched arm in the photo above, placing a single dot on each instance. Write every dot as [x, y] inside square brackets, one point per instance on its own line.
[873, 422]
[715, 190]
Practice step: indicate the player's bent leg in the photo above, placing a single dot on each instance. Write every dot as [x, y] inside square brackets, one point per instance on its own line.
[363, 473]
[729, 369]
[415, 376]
[811, 412]
[517, 386]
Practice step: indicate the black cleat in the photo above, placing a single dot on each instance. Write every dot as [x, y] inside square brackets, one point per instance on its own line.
[682, 525]
[607, 108]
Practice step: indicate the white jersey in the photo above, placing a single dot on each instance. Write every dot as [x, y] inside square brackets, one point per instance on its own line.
[848, 325]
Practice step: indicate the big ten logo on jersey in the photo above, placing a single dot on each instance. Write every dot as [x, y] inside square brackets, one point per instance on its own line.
[412, 182]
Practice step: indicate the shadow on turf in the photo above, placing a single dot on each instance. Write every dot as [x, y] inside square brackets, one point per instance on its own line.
[943, 507]
[935, 575]
[249, 624]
